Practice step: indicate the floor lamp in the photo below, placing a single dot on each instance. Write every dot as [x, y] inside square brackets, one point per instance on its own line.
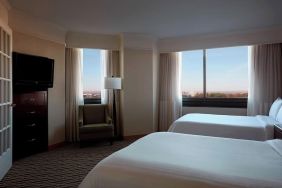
[113, 83]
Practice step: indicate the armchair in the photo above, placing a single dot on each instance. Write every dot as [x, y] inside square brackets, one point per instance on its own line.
[95, 123]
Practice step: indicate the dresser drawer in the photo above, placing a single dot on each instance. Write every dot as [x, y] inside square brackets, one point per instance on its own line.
[38, 98]
[28, 130]
[28, 120]
[30, 146]
[29, 112]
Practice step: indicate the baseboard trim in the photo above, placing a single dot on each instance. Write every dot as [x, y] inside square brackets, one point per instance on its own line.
[133, 137]
[55, 146]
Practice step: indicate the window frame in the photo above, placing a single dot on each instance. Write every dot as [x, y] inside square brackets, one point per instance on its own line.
[212, 102]
[92, 101]
[215, 102]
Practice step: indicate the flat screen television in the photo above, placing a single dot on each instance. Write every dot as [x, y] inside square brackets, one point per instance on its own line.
[32, 71]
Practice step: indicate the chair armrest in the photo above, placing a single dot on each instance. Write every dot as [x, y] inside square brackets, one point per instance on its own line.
[80, 116]
[109, 120]
[80, 123]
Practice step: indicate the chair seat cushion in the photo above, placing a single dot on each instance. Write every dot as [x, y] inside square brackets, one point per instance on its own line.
[90, 128]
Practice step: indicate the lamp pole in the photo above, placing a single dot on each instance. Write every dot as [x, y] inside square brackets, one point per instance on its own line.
[113, 83]
[114, 113]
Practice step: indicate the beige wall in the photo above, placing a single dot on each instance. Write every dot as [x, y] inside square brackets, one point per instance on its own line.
[3, 13]
[35, 26]
[137, 92]
[87, 40]
[139, 64]
[56, 96]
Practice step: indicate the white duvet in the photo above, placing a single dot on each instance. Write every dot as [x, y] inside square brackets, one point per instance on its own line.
[172, 160]
[241, 127]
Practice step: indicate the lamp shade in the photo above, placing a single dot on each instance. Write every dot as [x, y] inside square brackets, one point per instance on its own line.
[112, 83]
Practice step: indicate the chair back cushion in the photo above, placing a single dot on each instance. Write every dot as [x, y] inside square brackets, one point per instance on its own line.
[94, 113]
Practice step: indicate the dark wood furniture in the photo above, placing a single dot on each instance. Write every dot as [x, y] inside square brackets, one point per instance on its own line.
[278, 131]
[30, 120]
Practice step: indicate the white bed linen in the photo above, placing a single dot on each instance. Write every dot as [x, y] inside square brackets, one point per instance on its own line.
[172, 160]
[241, 127]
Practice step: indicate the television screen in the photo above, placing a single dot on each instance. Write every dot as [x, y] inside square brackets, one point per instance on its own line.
[32, 70]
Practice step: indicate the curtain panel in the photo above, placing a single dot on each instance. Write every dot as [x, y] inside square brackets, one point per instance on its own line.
[265, 77]
[74, 93]
[111, 67]
[170, 100]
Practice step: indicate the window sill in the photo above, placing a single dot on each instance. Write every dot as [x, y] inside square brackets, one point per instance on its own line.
[92, 101]
[215, 102]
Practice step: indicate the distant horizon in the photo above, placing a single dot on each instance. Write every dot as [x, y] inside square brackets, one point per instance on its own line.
[219, 78]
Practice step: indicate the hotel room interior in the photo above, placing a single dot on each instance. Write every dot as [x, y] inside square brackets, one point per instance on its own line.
[140, 93]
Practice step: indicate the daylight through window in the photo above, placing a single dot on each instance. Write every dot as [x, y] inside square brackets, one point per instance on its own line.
[215, 73]
[92, 74]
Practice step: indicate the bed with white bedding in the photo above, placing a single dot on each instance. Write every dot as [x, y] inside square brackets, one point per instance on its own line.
[241, 127]
[170, 160]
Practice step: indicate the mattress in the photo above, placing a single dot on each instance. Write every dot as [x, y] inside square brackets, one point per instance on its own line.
[241, 127]
[170, 160]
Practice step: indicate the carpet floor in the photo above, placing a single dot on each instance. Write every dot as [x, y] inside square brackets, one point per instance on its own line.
[64, 167]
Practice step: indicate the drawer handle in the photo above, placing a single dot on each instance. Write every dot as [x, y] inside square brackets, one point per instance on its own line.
[31, 125]
[32, 140]
[32, 112]
[13, 105]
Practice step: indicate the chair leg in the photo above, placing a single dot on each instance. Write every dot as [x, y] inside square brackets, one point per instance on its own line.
[111, 141]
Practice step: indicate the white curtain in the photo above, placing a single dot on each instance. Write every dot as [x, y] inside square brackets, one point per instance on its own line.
[74, 92]
[111, 67]
[105, 65]
[265, 77]
[170, 99]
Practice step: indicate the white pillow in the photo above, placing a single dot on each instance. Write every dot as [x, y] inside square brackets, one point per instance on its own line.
[279, 115]
[275, 107]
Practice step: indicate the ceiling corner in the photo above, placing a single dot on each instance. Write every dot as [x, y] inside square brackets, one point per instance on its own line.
[6, 4]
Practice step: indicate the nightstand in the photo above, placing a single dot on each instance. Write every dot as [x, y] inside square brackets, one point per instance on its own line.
[278, 131]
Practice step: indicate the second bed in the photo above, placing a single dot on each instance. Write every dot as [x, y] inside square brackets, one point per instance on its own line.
[241, 127]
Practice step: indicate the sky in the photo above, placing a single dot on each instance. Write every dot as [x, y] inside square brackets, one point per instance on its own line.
[92, 69]
[227, 69]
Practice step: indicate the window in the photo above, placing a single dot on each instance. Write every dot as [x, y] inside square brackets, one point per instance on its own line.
[192, 74]
[92, 74]
[215, 77]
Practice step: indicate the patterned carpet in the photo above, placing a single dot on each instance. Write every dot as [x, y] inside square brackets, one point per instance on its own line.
[63, 168]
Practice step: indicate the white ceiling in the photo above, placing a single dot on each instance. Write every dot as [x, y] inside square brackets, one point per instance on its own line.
[160, 18]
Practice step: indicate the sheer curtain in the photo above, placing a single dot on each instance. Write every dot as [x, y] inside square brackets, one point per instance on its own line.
[265, 77]
[111, 67]
[74, 93]
[104, 67]
[170, 99]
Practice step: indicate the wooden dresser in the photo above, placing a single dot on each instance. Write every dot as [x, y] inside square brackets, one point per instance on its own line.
[30, 131]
